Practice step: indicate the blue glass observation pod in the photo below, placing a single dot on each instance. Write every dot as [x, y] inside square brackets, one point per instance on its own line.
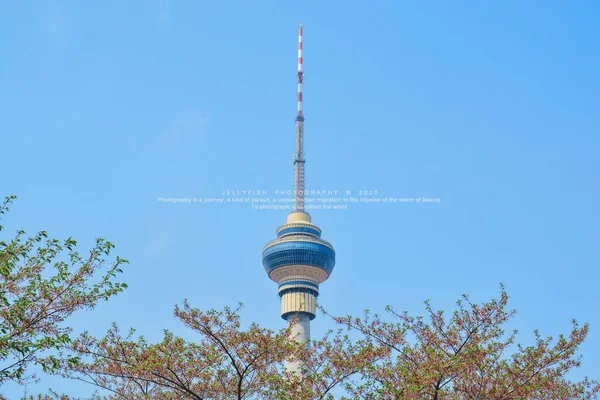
[298, 260]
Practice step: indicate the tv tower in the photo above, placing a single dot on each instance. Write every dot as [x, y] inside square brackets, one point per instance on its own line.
[299, 260]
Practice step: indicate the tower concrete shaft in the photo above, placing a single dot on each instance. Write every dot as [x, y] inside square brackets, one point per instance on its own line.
[300, 331]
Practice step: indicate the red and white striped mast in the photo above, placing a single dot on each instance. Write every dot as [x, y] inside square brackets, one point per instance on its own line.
[299, 160]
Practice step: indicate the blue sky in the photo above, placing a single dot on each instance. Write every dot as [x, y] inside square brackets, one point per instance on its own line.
[493, 108]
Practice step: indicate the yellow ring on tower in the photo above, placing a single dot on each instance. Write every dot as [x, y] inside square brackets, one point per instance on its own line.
[298, 216]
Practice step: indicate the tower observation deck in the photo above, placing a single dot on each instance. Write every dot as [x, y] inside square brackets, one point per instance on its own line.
[298, 259]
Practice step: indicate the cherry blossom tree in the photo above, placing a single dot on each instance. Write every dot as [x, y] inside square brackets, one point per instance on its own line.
[467, 355]
[226, 362]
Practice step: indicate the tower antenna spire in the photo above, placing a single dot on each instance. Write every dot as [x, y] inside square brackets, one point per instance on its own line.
[299, 160]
